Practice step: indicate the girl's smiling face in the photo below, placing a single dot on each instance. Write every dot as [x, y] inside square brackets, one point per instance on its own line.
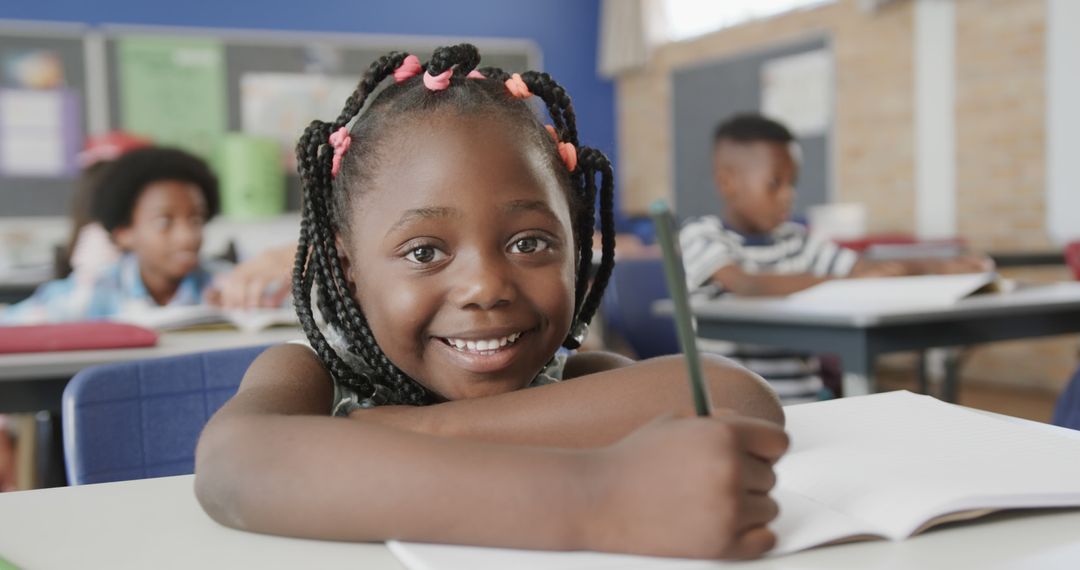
[463, 256]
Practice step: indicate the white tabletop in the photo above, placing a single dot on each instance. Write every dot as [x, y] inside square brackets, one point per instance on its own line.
[49, 365]
[1041, 298]
[157, 523]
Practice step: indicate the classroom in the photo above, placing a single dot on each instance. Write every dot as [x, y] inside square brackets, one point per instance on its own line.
[659, 284]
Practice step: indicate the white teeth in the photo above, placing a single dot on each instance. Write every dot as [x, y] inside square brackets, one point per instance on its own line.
[483, 345]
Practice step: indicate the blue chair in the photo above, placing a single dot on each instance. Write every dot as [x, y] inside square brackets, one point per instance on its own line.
[1067, 410]
[627, 308]
[141, 419]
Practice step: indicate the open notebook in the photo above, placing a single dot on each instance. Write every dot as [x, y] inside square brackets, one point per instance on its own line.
[879, 466]
[910, 292]
[202, 316]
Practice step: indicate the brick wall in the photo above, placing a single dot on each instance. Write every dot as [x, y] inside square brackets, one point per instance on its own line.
[1000, 123]
[874, 122]
[1000, 132]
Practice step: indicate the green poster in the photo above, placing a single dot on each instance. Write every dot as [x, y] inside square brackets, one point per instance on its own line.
[252, 180]
[173, 91]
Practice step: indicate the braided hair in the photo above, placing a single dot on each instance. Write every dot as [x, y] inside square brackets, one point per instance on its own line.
[329, 196]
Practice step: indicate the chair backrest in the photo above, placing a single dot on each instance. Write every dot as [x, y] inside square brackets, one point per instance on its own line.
[141, 419]
[1072, 258]
[627, 307]
[1067, 409]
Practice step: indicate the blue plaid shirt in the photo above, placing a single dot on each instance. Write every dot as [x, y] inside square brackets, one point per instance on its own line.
[118, 289]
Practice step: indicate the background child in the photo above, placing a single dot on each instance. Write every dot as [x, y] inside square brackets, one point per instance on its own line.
[89, 249]
[448, 236]
[755, 250]
[157, 202]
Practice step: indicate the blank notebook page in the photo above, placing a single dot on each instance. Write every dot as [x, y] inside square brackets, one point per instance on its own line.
[877, 465]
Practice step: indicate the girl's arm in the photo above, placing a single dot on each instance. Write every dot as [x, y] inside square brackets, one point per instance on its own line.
[589, 411]
[679, 487]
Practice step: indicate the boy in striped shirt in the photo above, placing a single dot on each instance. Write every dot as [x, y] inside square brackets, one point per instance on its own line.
[754, 249]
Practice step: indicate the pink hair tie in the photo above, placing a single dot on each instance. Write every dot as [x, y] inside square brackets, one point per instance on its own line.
[569, 155]
[409, 67]
[438, 82]
[474, 74]
[567, 151]
[340, 140]
[517, 87]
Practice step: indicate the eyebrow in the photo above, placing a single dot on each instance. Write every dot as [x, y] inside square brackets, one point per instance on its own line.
[424, 214]
[529, 206]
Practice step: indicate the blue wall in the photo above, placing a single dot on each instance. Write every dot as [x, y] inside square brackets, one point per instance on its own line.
[565, 30]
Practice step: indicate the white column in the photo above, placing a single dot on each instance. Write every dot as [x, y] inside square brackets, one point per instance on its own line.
[935, 118]
[97, 92]
[1063, 119]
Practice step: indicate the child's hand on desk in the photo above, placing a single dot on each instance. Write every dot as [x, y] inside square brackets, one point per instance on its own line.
[262, 281]
[968, 263]
[687, 487]
[865, 268]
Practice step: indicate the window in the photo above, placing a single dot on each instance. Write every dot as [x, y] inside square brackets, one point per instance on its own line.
[689, 18]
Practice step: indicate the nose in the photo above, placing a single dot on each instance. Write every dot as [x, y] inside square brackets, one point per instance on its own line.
[483, 282]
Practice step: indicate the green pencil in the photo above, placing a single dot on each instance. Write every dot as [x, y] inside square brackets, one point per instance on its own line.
[5, 565]
[684, 324]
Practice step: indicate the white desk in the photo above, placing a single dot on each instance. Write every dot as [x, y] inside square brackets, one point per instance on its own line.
[859, 334]
[156, 523]
[34, 381]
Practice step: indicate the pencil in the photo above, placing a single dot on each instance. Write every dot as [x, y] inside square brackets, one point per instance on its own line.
[6, 565]
[684, 325]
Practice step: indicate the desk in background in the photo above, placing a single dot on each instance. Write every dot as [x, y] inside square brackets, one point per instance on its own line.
[35, 381]
[157, 523]
[859, 336]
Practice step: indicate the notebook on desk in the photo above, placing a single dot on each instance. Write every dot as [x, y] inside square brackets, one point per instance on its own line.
[87, 335]
[916, 291]
[204, 316]
[883, 466]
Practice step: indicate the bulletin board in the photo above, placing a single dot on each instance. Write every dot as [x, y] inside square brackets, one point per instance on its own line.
[271, 84]
[189, 86]
[704, 95]
[42, 116]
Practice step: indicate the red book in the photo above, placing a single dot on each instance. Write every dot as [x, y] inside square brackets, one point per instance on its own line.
[83, 335]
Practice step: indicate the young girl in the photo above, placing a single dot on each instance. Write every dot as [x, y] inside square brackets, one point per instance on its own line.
[447, 238]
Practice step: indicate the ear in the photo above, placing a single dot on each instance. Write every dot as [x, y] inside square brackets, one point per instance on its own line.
[346, 265]
[124, 238]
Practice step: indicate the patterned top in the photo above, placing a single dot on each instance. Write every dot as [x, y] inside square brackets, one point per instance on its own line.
[119, 289]
[346, 399]
[708, 246]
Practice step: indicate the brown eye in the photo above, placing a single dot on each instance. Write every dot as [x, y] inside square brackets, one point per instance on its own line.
[424, 254]
[529, 245]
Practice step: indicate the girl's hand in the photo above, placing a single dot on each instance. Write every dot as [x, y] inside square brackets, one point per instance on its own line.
[263, 281]
[969, 263]
[687, 487]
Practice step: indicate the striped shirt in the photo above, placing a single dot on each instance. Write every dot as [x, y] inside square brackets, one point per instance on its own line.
[708, 246]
